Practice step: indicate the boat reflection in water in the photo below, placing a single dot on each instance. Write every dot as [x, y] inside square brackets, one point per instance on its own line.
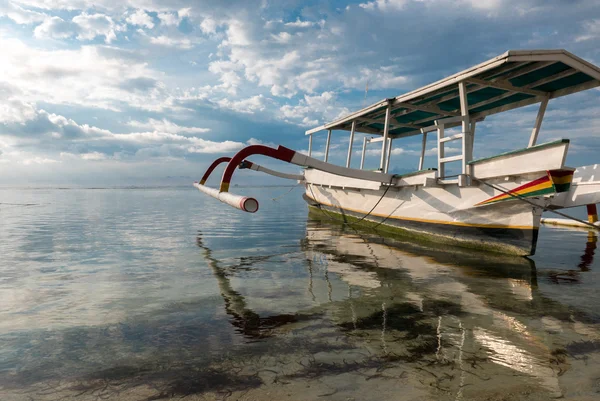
[247, 322]
[463, 325]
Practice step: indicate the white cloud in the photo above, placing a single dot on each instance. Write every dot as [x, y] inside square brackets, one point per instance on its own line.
[384, 5]
[93, 156]
[381, 78]
[299, 24]
[395, 5]
[93, 25]
[249, 105]
[313, 109]
[56, 28]
[89, 76]
[169, 19]
[141, 18]
[176, 42]
[228, 74]
[39, 160]
[208, 26]
[591, 30]
[64, 138]
[167, 126]
[238, 33]
[19, 14]
[15, 111]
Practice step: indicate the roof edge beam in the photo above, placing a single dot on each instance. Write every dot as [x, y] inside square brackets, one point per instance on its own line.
[506, 85]
[428, 109]
[523, 71]
[350, 117]
[515, 74]
[571, 60]
[363, 121]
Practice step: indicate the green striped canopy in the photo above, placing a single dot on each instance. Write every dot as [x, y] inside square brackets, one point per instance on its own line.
[514, 79]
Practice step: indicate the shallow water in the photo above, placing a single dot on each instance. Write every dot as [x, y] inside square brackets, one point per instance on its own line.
[147, 294]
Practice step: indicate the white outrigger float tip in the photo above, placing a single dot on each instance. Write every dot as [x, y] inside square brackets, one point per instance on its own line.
[493, 203]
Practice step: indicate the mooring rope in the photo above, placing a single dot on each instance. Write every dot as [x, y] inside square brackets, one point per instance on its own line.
[545, 209]
[363, 217]
[276, 199]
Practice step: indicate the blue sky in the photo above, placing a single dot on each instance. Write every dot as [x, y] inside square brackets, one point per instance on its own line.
[151, 91]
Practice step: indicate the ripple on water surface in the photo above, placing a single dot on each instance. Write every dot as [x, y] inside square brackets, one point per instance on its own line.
[146, 294]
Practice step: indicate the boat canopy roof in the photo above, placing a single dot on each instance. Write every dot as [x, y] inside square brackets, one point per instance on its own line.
[514, 79]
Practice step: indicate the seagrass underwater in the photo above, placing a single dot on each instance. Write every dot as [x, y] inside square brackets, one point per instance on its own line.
[159, 293]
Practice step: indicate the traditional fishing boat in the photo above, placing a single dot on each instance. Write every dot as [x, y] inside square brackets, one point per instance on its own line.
[493, 203]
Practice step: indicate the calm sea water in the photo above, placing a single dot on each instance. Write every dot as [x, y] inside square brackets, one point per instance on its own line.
[148, 294]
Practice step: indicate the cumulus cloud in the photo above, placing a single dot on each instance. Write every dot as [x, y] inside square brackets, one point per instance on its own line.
[249, 106]
[94, 25]
[56, 28]
[19, 14]
[141, 18]
[89, 76]
[312, 110]
[169, 18]
[63, 138]
[85, 26]
[208, 26]
[591, 30]
[165, 125]
[39, 160]
[172, 41]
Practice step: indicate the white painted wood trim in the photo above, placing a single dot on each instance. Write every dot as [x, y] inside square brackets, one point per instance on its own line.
[389, 154]
[423, 145]
[450, 120]
[386, 129]
[538, 122]
[327, 145]
[506, 85]
[550, 158]
[364, 151]
[310, 145]
[303, 160]
[451, 159]
[349, 158]
[274, 173]
[451, 138]
[429, 109]
[466, 126]
[440, 146]
[314, 130]
[473, 126]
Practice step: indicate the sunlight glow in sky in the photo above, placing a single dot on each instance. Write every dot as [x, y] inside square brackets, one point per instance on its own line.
[151, 91]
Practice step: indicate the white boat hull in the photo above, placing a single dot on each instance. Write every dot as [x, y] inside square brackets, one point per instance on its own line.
[445, 214]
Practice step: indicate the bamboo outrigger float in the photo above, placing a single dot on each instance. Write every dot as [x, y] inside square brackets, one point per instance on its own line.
[493, 203]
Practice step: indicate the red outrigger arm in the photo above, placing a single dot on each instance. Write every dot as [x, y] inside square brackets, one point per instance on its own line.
[281, 153]
[212, 167]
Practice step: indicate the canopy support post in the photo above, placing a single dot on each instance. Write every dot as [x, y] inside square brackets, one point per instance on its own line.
[386, 129]
[441, 167]
[473, 126]
[422, 158]
[364, 151]
[538, 122]
[310, 145]
[350, 144]
[327, 145]
[466, 126]
[389, 154]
